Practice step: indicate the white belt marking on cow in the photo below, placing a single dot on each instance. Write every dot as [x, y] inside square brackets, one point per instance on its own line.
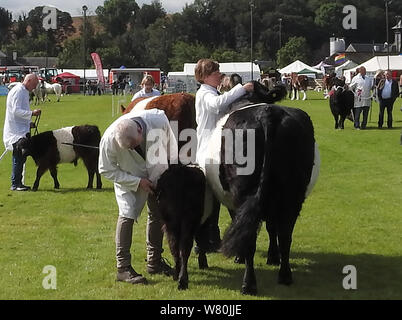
[142, 104]
[213, 160]
[65, 135]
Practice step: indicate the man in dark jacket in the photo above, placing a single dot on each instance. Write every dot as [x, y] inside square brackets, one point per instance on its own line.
[388, 91]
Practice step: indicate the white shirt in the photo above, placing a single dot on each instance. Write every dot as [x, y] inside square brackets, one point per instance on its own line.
[387, 90]
[362, 90]
[143, 94]
[18, 116]
[209, 108]
[126, 167]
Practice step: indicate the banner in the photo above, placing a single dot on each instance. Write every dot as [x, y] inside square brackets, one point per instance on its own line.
[98, 65]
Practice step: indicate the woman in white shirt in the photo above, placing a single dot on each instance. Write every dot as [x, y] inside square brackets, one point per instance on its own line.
[147, 90]
[210, 106]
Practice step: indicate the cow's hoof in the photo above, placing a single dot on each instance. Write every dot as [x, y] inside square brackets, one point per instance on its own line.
[250, 290]
[183, 285]
[202, 261]
[285, 278]
[273, 260]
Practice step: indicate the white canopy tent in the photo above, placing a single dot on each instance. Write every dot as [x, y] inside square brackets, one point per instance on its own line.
[376, 63]
[298, 66]
[185, 79]
[89, 73]
[347, 65]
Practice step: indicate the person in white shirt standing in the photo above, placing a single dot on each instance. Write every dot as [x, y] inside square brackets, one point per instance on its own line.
[361, 86]
[147, 90]
[388, 91]
[210, 107]
[17, 125]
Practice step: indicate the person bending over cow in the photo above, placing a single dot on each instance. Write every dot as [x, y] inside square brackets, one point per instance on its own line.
[126, 158]
[210, 106]
[17, 125]
[147, 90]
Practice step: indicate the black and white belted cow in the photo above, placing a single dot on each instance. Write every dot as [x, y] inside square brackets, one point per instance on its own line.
[65, 145]
[263, 162]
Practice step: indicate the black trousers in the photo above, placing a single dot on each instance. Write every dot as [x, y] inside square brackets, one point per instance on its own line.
[389, 105]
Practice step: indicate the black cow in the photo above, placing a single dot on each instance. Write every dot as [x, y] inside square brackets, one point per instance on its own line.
[50, 148]
[180, 196]
[274, 191]
[341, 102]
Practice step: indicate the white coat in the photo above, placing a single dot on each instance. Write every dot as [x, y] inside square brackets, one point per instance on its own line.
[143, 94]
[362, 90]
[126, 167]
[210, 107]
[18, 116]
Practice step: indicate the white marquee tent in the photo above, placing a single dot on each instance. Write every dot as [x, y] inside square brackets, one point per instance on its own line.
[185, 79]
[299, 66]
[377, 63]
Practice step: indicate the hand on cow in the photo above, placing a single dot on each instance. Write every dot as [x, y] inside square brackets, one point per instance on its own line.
[249, 86]
[36, 112]
[147, 185]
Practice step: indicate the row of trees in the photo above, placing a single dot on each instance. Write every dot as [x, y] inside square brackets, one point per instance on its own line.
[125, 34]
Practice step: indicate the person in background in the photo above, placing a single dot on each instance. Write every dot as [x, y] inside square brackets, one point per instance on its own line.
[388, 91]
[148, 89]
[17, 125]
[361, 86]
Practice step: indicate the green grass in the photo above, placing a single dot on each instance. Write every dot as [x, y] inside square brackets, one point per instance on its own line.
[353, 217]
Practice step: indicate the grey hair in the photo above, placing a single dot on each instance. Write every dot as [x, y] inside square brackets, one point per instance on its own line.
[126, 130]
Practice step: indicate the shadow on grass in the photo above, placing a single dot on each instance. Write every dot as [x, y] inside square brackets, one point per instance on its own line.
[68, 190]
[318, 276]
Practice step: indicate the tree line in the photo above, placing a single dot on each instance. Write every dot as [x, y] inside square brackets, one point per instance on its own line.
[123, 33]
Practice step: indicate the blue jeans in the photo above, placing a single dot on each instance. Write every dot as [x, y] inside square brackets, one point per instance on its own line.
[358, 111]
[17, 168]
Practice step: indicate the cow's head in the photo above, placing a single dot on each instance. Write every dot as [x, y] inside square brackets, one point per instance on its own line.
[262, 94]
[23, 147]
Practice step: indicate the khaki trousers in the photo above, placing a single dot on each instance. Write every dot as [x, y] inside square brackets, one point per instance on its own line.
[154, 236]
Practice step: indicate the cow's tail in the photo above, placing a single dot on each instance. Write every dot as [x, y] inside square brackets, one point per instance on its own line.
[242, 233]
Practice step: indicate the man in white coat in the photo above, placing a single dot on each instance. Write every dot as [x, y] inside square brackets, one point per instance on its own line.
[17, 125]
[134, 152]
[361, 86]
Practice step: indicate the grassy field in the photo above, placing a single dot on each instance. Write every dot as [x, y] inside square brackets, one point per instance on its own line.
[353, 217]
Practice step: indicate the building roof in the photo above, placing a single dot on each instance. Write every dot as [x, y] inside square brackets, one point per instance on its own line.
[365, 47]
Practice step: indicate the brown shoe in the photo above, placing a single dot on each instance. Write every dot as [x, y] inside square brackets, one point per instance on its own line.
[129, 275]
[162, 267]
